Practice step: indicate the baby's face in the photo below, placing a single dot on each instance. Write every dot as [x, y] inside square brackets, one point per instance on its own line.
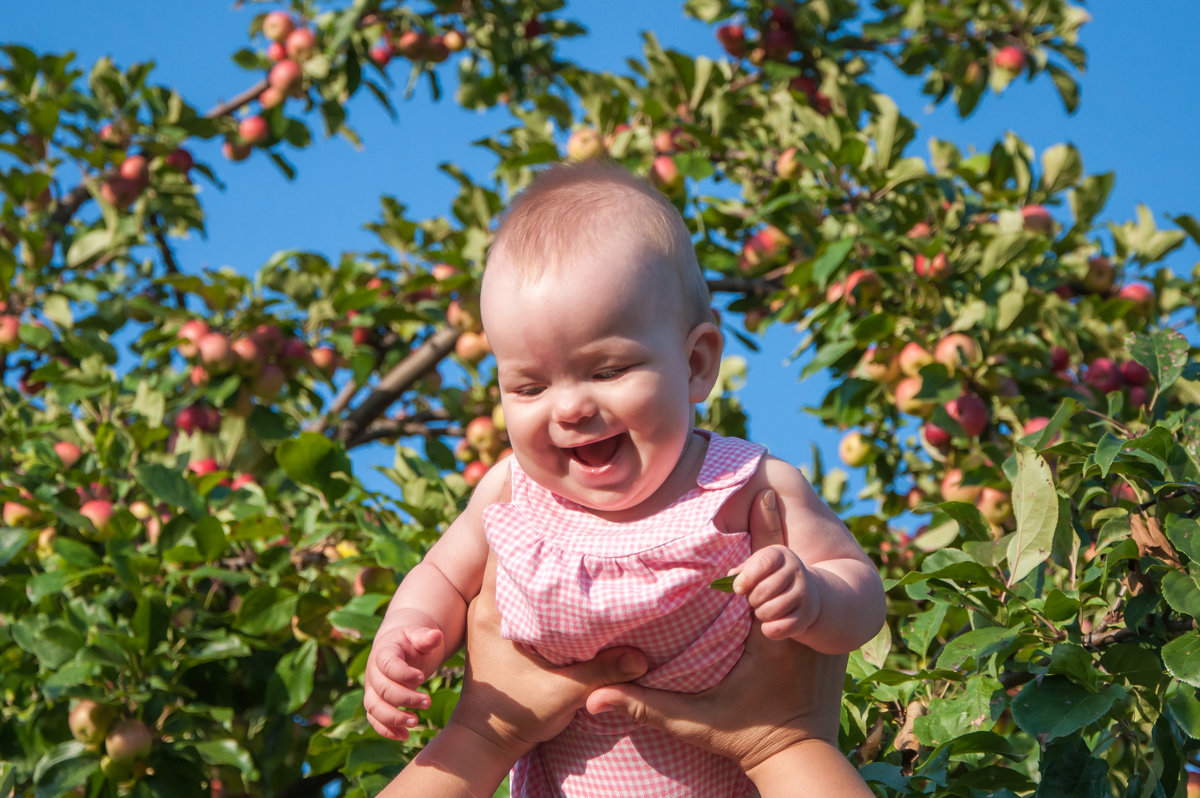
[594, 377]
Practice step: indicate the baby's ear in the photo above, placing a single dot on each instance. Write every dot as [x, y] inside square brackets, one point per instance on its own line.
[705, 343]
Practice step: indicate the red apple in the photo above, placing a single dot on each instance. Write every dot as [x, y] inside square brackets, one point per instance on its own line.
[254, 129]
[98, 511]
[920, 230]
[454, 41]
[935, 268]
[1060, 358]
[1010, 58]
[906, 391]
[436, 50]
[472, 347]
[954, 491]
[1100, 275]
[1037, 219]
[733, 39]
[325, 359]
[970, 412]
[474, 471]
[269, 382]
[128, 740]
[878, 365]
[855, 449]
[1134, 373]
[135, 169]
[412, 45]
[277, 25]
[995, 505]
[763, 248]
[301, 44]
[214, 351]
[190, 333]
[935, 436]
[788, 166]
[862, 288]
[235, 151]
[16, 514]
[90, 722]
[1141, 295]
[285, 75]
[68, 452]
[203, 466]
[481, 434]
[247, 356]
[1138, 396]
[180, 160]
[665, 175]
[1103, 375]
[10, 328]
[913, 357]
[957, 350]
[241, 480]
[584, 145]
[382, 54]
[269, 339]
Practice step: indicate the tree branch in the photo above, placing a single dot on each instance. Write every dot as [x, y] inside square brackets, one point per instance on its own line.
[385, 428]
[403, 374]
[168, 257]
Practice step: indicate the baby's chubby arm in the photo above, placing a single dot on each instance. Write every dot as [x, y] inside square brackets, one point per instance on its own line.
[820, 589]
[426, 617]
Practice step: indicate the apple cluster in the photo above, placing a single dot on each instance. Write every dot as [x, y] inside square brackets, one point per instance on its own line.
[483, 444]
[126, 742]
[416, 45]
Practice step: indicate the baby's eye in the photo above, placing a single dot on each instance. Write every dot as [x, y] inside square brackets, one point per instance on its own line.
[529, 391]
[609, 374]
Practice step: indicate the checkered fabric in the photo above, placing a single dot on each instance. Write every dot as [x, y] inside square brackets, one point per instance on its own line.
[569, 584]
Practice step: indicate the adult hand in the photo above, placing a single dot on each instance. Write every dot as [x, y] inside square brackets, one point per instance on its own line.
[511, 700]
[779, 695]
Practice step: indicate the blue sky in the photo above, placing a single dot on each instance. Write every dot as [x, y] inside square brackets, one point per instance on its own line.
[1138, 117]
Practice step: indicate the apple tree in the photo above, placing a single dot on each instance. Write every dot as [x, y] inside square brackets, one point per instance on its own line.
[191, 571]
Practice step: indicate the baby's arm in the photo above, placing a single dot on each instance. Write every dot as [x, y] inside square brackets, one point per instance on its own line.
[425, 620]
[820, 589]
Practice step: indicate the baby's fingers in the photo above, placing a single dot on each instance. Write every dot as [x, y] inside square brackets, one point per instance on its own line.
[758, 568]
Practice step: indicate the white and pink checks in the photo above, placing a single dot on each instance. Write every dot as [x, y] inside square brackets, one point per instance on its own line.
[570, 584]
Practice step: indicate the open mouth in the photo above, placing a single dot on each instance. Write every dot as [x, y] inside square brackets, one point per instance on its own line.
[597, 453]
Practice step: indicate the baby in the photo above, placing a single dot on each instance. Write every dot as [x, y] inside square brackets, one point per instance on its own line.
[615, 514]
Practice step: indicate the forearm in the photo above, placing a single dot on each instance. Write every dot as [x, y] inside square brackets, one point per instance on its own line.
[793, 773]
[457, 763]
[428, 597]
[852, 606]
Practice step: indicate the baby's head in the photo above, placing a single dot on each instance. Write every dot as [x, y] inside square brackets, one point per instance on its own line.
[575, 212]
[599, 318]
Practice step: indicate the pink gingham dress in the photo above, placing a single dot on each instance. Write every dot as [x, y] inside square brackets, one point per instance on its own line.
[569, 584]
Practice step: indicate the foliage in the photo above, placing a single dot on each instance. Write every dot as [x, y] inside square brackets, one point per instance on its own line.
[1041, 637]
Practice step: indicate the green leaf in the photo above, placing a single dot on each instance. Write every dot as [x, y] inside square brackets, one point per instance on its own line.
[875, 651]
[1061, 168]
[977, 644]
[919, 631]
[1035, 506]
[724, 584]
[314, 460]
[292, 683]
[1182, 657]
[1070, 771]
[1163, 352]
[226, 752]
[974, 525]
[704, 10]
[1056, 706]
[965, 713]
[829, 261]
[1184, 534]
[170, 486]
[1106, 451]
[150, 621]
[266, 609]
[88, 247]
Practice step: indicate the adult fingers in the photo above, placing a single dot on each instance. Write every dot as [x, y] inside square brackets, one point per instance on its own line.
[766, 524]
[611, 666]
[674, 713]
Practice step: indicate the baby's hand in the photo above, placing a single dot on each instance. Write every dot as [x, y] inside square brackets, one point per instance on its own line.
[401, 659]
[781, 591]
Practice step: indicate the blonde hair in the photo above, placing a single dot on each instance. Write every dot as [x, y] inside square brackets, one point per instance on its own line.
[575, 208]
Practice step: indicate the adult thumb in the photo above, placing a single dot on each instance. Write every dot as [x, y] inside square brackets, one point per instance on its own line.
[612, 666]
